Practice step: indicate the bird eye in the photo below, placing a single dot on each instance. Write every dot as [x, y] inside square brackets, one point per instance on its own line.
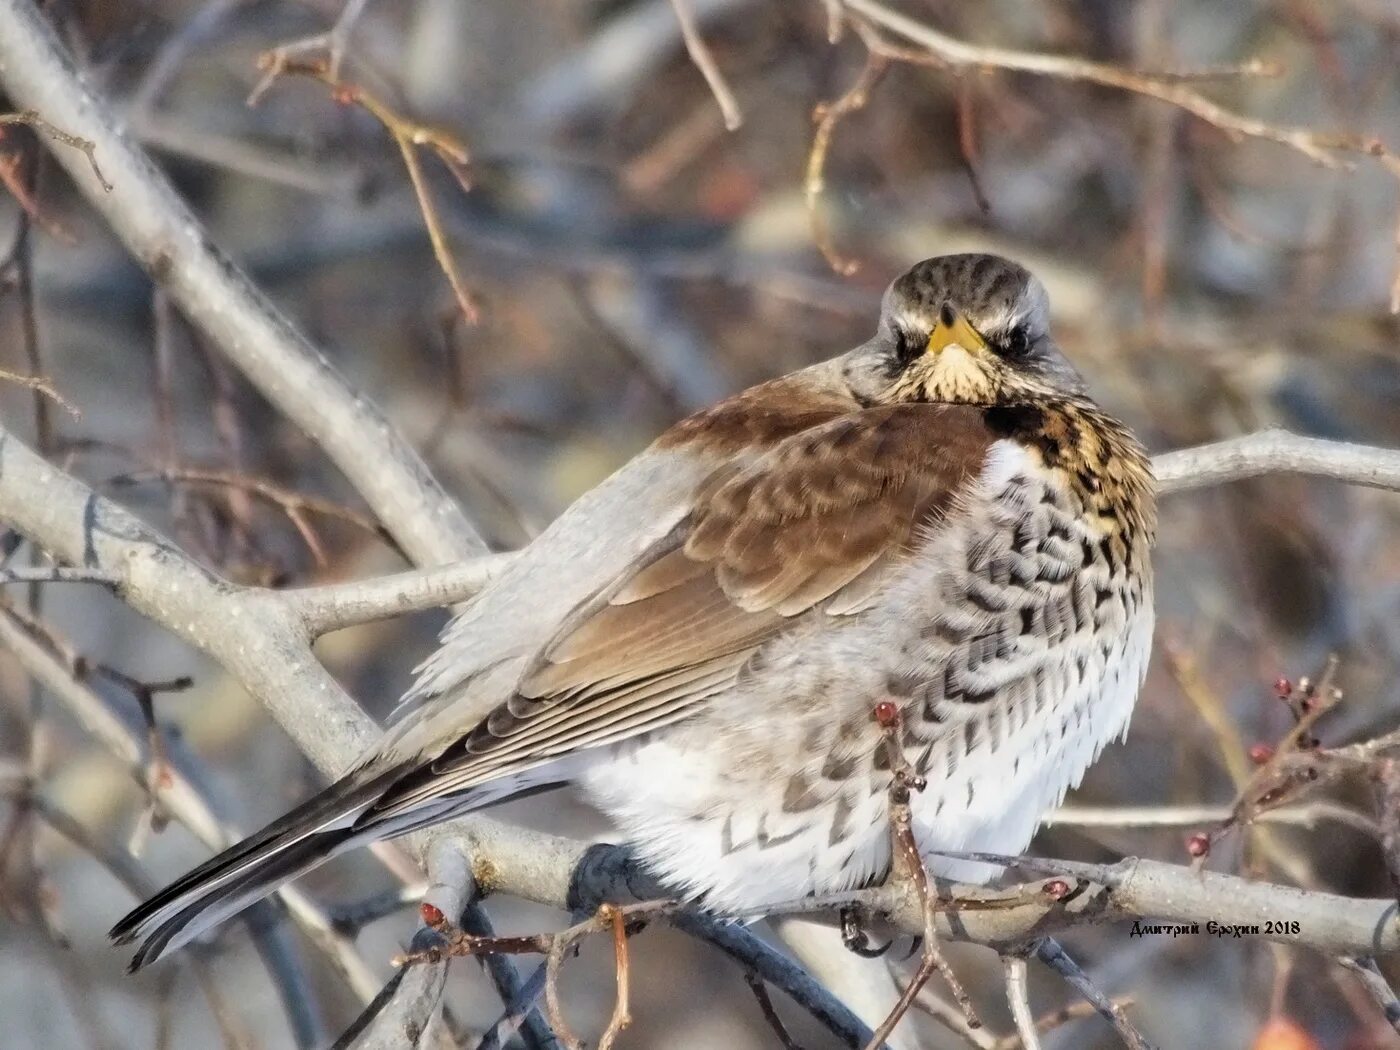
[1016, 343]
[906, 347]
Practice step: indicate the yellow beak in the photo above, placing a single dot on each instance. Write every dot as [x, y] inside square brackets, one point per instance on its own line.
[953, 328]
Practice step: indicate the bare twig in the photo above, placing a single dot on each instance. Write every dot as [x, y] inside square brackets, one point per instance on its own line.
[1074, 1011]
[967, 143]
[295, 505]
[907, 869]
[1303, 814]
[622, 1014]
[1366, 970]
[827, 115]
[331, 607]
[950, 1016]
[58, 574]
[1014, 966]
[332, 44]
[1328, 149]
[1320, 147]
[127, 872]
[556, 947]
[177, 795]
[41, 385]
[84, 146]
[704, 61]
[1055, 957]
[408, 135]
[765, 1004]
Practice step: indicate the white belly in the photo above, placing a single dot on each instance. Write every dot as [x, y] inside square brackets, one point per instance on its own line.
[1011, 686]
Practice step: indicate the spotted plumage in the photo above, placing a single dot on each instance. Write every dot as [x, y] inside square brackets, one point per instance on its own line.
[941, 518]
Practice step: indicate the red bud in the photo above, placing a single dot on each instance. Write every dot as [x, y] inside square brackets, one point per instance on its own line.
[1056, 889]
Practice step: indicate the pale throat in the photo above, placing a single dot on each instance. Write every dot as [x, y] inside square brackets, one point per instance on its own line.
[956, 375]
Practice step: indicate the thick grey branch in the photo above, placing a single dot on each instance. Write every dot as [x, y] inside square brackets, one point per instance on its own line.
[333, 606]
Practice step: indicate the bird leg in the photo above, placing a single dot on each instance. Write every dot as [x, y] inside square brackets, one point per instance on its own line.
[907, 866]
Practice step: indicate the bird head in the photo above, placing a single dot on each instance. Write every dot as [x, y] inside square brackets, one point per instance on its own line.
[964, 329]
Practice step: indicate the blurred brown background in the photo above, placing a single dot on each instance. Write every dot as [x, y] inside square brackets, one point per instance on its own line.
[632, 260]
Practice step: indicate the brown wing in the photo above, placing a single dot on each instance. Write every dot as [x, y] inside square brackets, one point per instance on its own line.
[818, 519]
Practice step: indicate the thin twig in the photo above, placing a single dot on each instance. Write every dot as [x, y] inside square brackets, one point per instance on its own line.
[1055, 957]
[827, 115]
[88, 149]
[556, 947]
[1327, 149]
[704, 61]
[1057, 1019]
[1014, 967]
[157, 227]
[295, 505]
[907, 868]
[58, 574]
[333, 43]
[765, 1004]
[1366, 970]
[622, 1014]
[41, 385]
[1304, 814]
[1320, 147]
[408, 135]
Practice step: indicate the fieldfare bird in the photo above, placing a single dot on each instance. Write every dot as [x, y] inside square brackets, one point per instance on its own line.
[941, 518]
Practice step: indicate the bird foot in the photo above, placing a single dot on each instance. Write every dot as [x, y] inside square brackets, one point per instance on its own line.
[855, 937]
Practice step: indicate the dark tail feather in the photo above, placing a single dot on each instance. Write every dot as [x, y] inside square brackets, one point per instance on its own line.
[248, 871]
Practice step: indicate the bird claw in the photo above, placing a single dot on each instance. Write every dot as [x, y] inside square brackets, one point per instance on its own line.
[855, 937]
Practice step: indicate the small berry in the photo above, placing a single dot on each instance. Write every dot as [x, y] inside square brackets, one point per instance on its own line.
[432, 915]
[887, 714]
[1198, 845]
[1261, 753]
[1283, 688]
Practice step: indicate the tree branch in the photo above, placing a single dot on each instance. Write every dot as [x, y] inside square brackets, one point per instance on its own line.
[160, 231]
[261, 639]
[1320, 147]
[1276, 452]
